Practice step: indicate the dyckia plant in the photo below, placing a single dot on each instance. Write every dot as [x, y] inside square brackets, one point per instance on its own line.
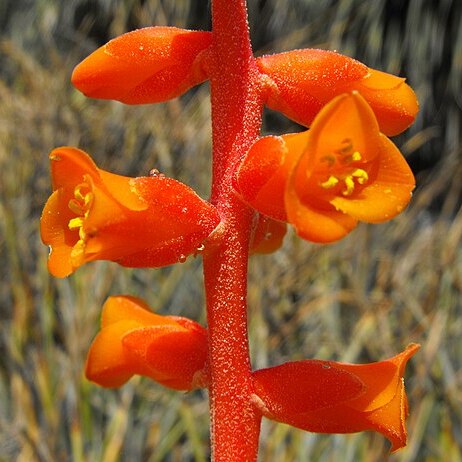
[323, 181]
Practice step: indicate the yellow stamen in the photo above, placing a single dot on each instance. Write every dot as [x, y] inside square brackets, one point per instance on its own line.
[74, 206]
[356, 156]
[330, 183]
[349, 186]
[361, 175]
[78, 253]
[80, 205]
[78, 192]
[75, 223]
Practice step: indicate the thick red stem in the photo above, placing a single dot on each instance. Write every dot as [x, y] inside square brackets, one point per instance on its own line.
[236, 122]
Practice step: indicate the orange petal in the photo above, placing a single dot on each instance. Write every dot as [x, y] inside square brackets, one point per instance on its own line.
[346, 117]
[107, 363]
[268, 235]
[69, 165]
[303, 81]
[124, 307]
[144, 66]
[57, 236]
[298, 387]
[393, 101]
[315, 224]
[171, 356]
[133, 340]
[262, 176]
[390, 419]
[382, 379]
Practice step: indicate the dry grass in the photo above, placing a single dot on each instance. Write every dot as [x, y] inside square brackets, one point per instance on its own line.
[362, 299]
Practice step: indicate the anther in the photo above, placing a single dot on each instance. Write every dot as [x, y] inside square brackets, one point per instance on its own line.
[330, 183]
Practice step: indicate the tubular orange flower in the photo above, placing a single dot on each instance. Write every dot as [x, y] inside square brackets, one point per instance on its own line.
[144, 66]
[332, 397]
[137, 222]
[133, 340]
[325, 180]
[302, 81]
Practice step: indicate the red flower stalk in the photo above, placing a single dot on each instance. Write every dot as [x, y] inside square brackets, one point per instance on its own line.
[331, 397]
[138, 222]
[323, 181]
[168, 349]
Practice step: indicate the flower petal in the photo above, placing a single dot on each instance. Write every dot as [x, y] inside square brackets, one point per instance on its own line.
[123, 308]
[144, 66]
[262, 176]
[267, 236]
[174, 356]
[108, 363]
[393, 101]
[387, 195]
[383, 379]
[133, 340]
[315, 224]
[303, 81]
[304, 386]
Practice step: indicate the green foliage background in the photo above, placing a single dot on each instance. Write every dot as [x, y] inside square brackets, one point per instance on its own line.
[362, 299]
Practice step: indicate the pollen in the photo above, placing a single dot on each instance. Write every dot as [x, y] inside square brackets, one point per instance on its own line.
[349, 185]
[360, 175]
[75, 223]
[330, 183]
[80, 205]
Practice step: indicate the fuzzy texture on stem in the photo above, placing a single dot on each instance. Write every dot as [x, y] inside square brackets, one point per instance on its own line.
[236, 120]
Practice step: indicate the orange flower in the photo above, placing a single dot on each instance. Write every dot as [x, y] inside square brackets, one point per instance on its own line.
[133, 340]
[137, 222]
[331, 397]
[303, 81]
[325, 180]
[144, 66]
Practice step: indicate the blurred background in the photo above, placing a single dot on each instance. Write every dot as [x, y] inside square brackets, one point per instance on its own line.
[362, 299]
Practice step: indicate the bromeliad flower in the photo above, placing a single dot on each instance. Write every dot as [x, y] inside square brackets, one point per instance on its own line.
[303, 81]
[325, 180]
[144, 66]
[171, 350]
[331, 397]
[137, 222]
